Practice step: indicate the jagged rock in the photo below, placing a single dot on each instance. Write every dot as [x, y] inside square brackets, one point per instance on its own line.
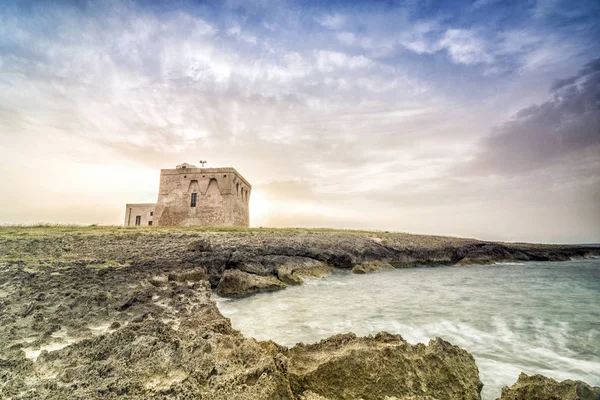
[308, 395]
[159, 281]
[255, 267]
[236, 282]
[371, 266]
[313, 396]
[294, 270]
[347, 367]
[404, 260]
[199, 245]
[249, 261]
[538, 387]
[214, 263]
[191, 275]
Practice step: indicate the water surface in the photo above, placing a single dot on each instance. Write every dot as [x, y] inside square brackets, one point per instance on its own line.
[537, 317]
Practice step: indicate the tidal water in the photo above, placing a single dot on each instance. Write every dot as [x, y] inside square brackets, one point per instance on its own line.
[535, 317]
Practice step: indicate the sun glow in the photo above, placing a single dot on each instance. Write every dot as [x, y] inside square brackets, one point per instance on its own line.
[260, 207]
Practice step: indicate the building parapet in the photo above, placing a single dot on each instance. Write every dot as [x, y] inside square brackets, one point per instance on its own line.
[191, 171]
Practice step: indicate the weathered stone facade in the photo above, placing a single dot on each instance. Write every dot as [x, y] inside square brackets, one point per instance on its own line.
[190, 196]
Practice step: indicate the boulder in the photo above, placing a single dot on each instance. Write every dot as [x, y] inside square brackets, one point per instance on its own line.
[254, 267]
[371, 266]
[294, 270]
[236, 282]
[538, 387]
[347, 367]
[249, 261]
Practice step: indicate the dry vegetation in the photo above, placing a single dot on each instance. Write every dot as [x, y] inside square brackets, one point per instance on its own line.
[117, 245]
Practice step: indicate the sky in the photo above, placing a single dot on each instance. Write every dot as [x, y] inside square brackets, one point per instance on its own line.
[465, 118]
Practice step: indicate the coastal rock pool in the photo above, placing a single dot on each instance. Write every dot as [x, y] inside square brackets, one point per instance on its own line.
[536, 317]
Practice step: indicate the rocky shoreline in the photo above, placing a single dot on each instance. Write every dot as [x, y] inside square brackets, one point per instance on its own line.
[97, 313]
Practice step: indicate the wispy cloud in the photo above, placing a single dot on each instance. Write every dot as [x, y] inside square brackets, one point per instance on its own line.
[386, 110]
[331, 21]
[465, 47]
[236, 31]
[330, 60]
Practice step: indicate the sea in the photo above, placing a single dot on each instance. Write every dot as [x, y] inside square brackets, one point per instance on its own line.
[533, 317]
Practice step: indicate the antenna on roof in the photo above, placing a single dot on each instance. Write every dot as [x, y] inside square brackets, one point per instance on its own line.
[202, 162]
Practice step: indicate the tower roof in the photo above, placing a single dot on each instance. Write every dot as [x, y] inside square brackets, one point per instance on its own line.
[185, 165]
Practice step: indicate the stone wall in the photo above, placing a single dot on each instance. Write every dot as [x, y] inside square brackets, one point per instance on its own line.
[143, 210]
[222, 194]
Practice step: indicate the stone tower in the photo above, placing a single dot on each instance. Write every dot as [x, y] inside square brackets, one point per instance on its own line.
[191, 196]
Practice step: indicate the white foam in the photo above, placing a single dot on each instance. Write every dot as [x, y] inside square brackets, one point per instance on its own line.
[509, 263]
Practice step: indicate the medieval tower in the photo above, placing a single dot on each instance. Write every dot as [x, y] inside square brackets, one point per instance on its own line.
[191, 196]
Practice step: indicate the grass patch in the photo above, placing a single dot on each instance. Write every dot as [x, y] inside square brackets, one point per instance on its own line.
[41, 230]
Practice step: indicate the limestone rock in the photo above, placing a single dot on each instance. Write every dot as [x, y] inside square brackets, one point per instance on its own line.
[159, 281]
[190, 275]
[347, 367]
[294, 270]
[308, 395]
[371, 266]
[248, 261]
[236, 282]
[199, 245]
[538, 387]
[403, 260]
[254, 267]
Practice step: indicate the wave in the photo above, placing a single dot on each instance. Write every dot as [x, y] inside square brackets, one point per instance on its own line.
[533, 320]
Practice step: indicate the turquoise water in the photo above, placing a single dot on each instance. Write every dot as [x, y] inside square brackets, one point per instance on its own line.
[537, 317]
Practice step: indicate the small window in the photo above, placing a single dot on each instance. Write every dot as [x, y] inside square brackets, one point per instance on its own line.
[224, 176]
[138, 220]
[185, 176]
[194, 199]
[149, 223]
[151, 213]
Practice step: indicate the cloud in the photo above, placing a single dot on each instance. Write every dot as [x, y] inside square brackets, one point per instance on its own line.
[347, 38]
[541, 135]
[330, 60]
[544, 9]
[236, 31]
[331, 21]
[466, 47]
[484, 3]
